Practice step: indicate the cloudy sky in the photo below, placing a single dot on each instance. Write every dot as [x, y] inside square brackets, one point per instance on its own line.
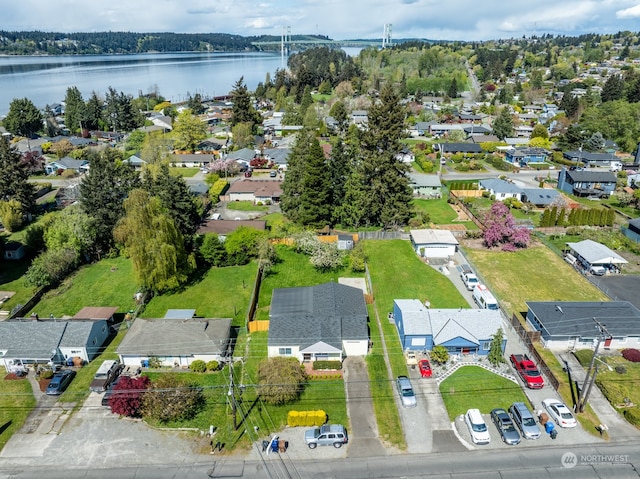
[338, 19]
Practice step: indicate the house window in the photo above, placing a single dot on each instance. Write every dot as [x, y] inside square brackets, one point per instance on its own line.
[284, 351]
[418, 341]
[486, 345]
[94, 341]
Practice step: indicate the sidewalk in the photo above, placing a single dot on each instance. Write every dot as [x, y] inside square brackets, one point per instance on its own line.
[619, 429]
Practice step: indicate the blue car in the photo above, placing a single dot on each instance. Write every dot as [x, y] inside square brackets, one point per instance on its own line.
[59, 382]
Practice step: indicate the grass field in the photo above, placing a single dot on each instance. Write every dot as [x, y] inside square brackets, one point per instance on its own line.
[11, 279]
[109, 282]
[16, 402]
[533, 274]
[219, 293]
[439, 210]
[293, 269]
[184, 172]
[397, 273]
[246, 206]
[475, 387]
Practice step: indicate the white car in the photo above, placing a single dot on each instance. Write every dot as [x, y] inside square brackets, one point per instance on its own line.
[477, 427]
[560, 413]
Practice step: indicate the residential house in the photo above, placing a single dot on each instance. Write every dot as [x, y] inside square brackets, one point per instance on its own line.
[32, 341]
[190, 160]
[599, 184]
[540, 197]
[175, 342]
[453, 148]
[14, 250]
[135, 161]
[224, 228]
[264, 191]
[442, 129]
[591, 253]
[523, 131]
[568, 325]
[479, 139]
[360, 117]
[405, 155]
[243, 156]
[501, 189]
[588, 158]
[425, 185]
[66, 163]
[521, 157]
[313, 323]
[279, 156]
[430, 243]
[476, 130]
[633, 230]
[461, 331]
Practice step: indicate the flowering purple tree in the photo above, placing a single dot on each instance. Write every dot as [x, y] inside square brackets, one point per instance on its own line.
[225, 168]
[501, 229]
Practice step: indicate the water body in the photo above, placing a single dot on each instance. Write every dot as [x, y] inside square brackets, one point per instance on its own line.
[44, 79]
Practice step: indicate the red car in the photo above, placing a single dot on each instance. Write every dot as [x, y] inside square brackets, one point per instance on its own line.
[425, 368]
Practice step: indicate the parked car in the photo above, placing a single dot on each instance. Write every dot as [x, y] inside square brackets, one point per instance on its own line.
[328, 435]
[109, 391]
[477, 427]
[59, 382]
[525, 420]
[405, 390]
[425, 368]
[560, 413]
[598, 270]
[273, 174]
[505, 426]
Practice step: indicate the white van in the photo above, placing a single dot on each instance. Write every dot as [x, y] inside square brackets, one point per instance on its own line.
[569, 258]
[483, 297]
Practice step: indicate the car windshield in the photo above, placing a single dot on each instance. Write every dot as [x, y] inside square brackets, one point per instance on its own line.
[533, 373]
[479, 427]
[528, 421]
[407, 392]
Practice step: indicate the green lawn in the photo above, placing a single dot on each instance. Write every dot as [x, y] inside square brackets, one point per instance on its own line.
[474, 387]
[109, 282]
[398, 273]
[16, 402]
[184, 172]
[11, 280]
[293, 269]
[246, 206]
[219, 293]
[439, 210]
[533, 274]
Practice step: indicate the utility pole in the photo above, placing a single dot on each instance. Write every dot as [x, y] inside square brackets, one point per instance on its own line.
[232, 395]
[593, 369]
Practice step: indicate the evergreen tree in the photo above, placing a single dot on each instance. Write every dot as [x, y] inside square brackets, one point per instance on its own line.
[14, 176]
[569, 104]
[572, 217]
[292, 185]
[613, 88]
[23, 119]
[553, 216]
[545, 220]
[339, 167]
[243, 110]
[503, 125]
[452, 92]
[561, 217]
[306, 101]
[315, 206]
[93, 112]
[496, 356]
[74, 110]
[611, 217]
[102, 191]
[351, 212]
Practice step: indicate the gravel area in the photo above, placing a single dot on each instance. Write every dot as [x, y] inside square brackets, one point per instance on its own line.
[297, 449]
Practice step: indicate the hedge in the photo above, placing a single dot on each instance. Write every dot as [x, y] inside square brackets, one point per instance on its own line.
[217, 189]
[321, 365]
[306, 418]
[632, 415]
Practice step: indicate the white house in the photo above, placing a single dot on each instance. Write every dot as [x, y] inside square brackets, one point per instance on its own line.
[175, 342]
[323, 322]
[434, 243]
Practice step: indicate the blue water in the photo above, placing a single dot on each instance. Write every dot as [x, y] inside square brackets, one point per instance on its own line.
[44, 79]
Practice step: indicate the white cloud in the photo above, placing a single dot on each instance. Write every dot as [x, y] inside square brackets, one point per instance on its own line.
[632, 12]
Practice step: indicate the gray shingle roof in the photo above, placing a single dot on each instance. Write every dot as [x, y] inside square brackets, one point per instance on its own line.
[329, 313]
[540, 196]
[500, 186]
[31, 339]
[170, 337]
[569, 318]
[77, 333]
[587, 175]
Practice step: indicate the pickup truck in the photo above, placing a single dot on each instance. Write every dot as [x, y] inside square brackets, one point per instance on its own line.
[108, 371]
[527, 370]
[470, 280]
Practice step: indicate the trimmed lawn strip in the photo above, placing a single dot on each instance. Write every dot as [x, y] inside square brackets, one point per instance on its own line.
[533, 274]
[246, 206]
[109, 282]
[12, 279]
[294, 270]
[439, 210]
[219, 293]
[387, 416]
[184, 172]
[78, 390]
[16, 402]
[474, 387]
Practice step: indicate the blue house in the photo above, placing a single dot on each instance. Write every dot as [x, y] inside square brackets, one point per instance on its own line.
[523, 156]
[599, 184]
[461, 331]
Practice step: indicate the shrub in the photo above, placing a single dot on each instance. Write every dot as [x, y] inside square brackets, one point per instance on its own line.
[154, 362]
[632, 415]
[198, 366]
[46, 374]
[439, 354]
[631, 354]
[621, 369]
[306, 418]
[171, 399]
[127, 396]
[213, 366]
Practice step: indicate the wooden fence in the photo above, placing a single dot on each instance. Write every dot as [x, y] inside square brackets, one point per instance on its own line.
[383, 235]
[529, 338]
[464, 208]
[259, 325]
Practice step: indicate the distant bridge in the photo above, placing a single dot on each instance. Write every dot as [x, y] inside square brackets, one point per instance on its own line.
[319, 42]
